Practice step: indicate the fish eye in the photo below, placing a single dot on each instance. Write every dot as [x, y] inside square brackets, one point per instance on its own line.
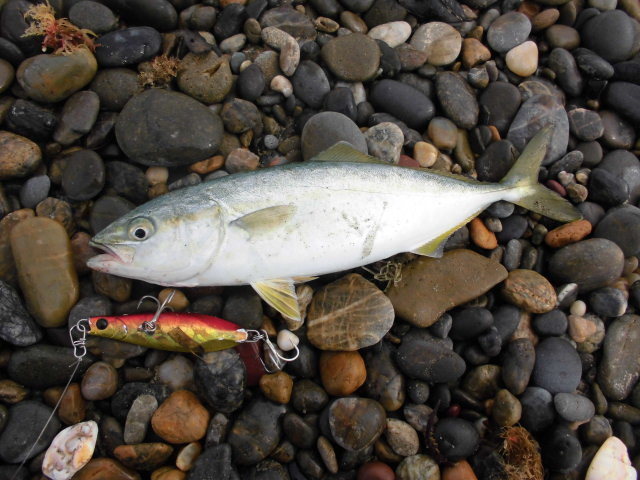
[140, 229]
[102, 323]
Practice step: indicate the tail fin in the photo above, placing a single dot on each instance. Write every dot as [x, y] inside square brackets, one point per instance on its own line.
[527, 192]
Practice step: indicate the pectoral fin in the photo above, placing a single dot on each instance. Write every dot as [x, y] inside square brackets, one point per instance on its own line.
[280, 293]
[266, 219]
[435, 246]
[344, 152]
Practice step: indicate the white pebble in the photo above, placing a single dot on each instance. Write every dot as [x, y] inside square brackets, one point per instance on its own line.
[156, 175]
[578, 308]
[611, 462]
[244, 65]
[287, 340]
[523, 59]
[281, 84]
[392, 33]
[70, 450]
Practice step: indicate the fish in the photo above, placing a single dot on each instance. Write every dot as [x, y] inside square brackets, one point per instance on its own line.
[276, 227]
[175, 332]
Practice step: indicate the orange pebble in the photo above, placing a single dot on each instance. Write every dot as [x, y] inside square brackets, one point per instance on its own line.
[481, 235]
[207, 165]
[459, 471]
[568, 233]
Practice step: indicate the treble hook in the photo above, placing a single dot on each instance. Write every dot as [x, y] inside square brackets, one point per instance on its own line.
[276, 358]
[150, 325]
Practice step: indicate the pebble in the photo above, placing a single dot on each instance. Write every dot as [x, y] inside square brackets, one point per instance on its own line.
[573, 407]
[625, 165]
[206, 78]
[418, 467]
[457, 439]
[474, 52]
[617, 132]
[337, 54]
[281, 84]
[551, 323]
[19, 156]
[51, 78]
[384, 382]
[129, 46]
[393, 33]
[568, 233]
[538, 412]
[429, 360]
[468, 323]
[337, 319]
[610, 35]
[17, 327]
[458, 471]
[620, 225]
[181, 418]
[342, 373]
[138, 418]
[457, 99]
[558, 368]
[611, 461]
[456, 278]
[425, 154]
[402, 438]
[523, 59]
[508, 31]
[572, 264]
[114, 87]
[221, 379]
[608, 302]
[375, 470]
[277, 387]
[83, 177]
[355, 423]
[251, 83]
[255, 432]
[143, 456]
[289, 49]
[77, 118]
[518, 364]
[99, 382]
[529, 291]
[402, 101]
[93, 16]
[619, 368]
[310, 83]
[176, 372]
[146, 140]
[561, 451]
[106, 469]
[506, 410]
[241, 160]
[500, 102]
[70, 450]
[385, 141]
[439, 40]
[585, 124]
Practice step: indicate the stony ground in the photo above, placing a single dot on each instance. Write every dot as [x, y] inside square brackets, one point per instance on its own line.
[516, 355]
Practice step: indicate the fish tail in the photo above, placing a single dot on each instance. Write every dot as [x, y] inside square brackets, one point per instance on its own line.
[522, 183]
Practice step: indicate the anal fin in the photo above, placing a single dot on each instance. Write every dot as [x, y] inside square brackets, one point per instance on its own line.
[280, 293]
[435, 246]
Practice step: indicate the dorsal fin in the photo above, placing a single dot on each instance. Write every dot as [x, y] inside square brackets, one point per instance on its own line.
[344, 152]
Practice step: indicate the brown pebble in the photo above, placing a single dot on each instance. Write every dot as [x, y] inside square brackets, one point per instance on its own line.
[8, 271]
[207, 165]
[179, 301]
[157, 190]
[19, 156]
[73, 407]
[375, 471]
[545, 19]
[328, 454]
[481, 235]
[459, 471]
[105, 469]
[181, 418]
[99, 382]
[188, 455]
[12, 392]
[568, 233]
[116, 288]
[277, 386]
[529, 8]
[143, 456]
[474, 52]
[82, 251]
[58, 210]
[425, 154]
[241, 160]
[168, 473]
[530, 291]
[342, 373]
[581, 328]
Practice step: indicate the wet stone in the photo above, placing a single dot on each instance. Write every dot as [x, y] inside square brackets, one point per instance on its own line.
[213, 460]
[507, 409]
[621, 225]
[596, 431]
[429, 360]
[106, 469]
[468, 323]
[159, 14]
[608, 302]
[240, 116]
[618, 133]
[341, 100]
[620, 369]
[308, 397]
[567, 74]
[558, 368]
[168, 116]
[31, 120]
[114, 87]
[123, 399]
[19, 156]
[18, 437]
[99, 382]
[456, 438]
[576, 263]
[573, 407]
[250, 82]
[625, 165]
[230, 21]
[93, 16]
[83, 176]
[325, 129]
[244, 308]
[508, 31]
[298, 431]
[221, 379]
[129, 46]
[402, 101]
[538, 411]
[345, 414]
[529, 291]
[496, 161]
[255, 432]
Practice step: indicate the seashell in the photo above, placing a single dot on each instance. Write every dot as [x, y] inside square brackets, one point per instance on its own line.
[611, 462]
[70, 450]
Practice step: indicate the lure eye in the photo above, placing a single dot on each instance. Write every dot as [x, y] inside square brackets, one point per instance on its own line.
[102, 323]
[140, 229]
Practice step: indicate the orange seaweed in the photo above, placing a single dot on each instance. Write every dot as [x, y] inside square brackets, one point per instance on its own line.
[521, 454]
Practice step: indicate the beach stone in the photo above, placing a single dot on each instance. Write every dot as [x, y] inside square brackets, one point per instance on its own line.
[439, 40]
[403, 102]
[534, 114]
[50, 78]
[557, 368]
[129, 46]
[255, 432]
[585, 124]
[93, 16]
[125, 396]
[30, 119]
[159, 14]
[392, 33]
[562, 36]
[384, 382]
[205, 77]
[277, 387]
[573, 407]
[474, 52]
[310, 83]
[442, 285]
[250, 83]
[138, 418]
[530, 291]
[348, 314]
[143, 456]
[618, 133]
[622, 226]
[508, 31]
[384, 11]
[517, 367]
[625, 165]
[591, 263]
[551, 323]
[181, 418]
[115, 86]
[427, 359]
[568, 233]
[20, 440]
[619, 369]
[460, 470]
[325, 129]
[468, 323]
[295, 23]
[17, 327]
[34, 190]
[402, 438]
[592, 64]
[341, 100]
[538, 411]
[289, 58]
[176, 372]
[337, 54]
[342, 373]
[308, 397]
[417, 467]
[610, 35]
[611, 461]
[561, 450]
[355, 423]
[567, 74]
[83, 176]
[624, 98]
[221, 379]
[106, 469]
[507, 409]
[500, 102]
[19, 156]
[457, 99]
[215, 460]
[241, 160]
[127, 180]
[298, 431]
[155, 128]
[44, 262]
[78, 115]
[597, 430]
[456, 438]
[523, 59]
[608, 302]
[385, 141]
[99, 382]
[240, 116]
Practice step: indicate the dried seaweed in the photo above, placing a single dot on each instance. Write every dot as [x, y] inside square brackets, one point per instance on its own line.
[521, 453]
[158, 72]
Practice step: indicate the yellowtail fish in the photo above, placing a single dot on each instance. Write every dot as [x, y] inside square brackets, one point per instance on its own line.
[274, 227]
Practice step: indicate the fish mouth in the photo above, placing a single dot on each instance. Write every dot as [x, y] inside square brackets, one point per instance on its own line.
[118, 254]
